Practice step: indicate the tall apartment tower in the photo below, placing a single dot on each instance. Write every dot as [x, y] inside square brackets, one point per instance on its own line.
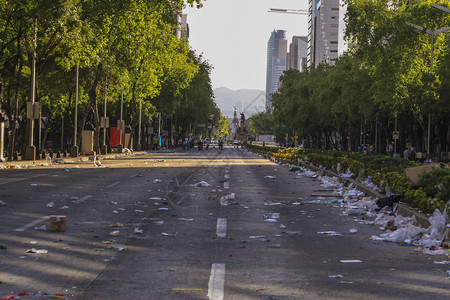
[325, 31]
[181, 30]
[276, 63]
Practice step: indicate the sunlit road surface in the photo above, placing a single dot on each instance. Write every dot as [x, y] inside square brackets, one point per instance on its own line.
[194, 225]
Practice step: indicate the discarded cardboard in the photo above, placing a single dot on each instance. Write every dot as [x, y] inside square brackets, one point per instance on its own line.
[57, 223]
[414, 173]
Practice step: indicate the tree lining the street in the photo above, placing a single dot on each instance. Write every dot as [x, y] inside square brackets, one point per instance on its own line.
[121, 47]
[384, 76]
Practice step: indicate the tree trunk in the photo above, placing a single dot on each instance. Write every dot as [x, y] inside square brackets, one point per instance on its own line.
[15, 112]
[90, 104]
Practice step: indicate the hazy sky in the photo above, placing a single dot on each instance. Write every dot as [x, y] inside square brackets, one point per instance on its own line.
[233, 35]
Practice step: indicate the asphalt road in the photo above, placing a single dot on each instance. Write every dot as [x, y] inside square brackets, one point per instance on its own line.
[195, 225]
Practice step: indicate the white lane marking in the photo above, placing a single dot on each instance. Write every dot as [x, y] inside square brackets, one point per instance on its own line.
[37, 221]
[227, 176]
[82, 199]
[216, 282]
[226, 185]
[221, 227]
[21, 179]
[113, 184]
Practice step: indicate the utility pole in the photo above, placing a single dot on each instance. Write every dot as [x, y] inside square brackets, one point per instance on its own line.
[32, 112]
[432, 33]
[140, 125]
[121, 125]
[74, 149]
[105, 120]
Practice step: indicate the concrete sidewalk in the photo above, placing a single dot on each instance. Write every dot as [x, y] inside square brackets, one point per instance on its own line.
[41, 162]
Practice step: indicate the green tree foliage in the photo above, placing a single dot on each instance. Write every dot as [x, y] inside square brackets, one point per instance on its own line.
[128, 43]
[261, 123]
[385, 75]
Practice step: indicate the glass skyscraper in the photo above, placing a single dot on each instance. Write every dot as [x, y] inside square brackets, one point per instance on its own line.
[276, 63]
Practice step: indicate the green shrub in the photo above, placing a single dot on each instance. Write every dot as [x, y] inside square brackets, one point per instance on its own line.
[436, 184]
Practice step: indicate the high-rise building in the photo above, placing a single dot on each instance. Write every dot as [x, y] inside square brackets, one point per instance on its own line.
[296, 57]
[326, 29]
[302, 53]
[276, 63]
[181, 30]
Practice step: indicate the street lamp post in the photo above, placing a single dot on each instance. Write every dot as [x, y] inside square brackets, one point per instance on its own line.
[432, 33]
[74, 148]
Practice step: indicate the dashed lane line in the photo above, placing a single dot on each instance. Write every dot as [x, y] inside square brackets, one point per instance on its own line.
[221, 227]
[113, 184]
[22, 179]
[31, 224]
[216, 282]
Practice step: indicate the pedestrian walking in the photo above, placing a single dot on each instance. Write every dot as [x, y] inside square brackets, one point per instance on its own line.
[406, 153]
[412, 153]
[155, 143]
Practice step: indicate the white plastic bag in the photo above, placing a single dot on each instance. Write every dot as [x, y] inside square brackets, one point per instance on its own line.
[438, 223]
[402, 234]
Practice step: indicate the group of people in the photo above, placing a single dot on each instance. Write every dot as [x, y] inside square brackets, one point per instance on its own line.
[411, 153]
[365, 149]
[188, 144]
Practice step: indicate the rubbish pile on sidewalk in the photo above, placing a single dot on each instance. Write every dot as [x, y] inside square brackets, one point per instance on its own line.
[383, 213]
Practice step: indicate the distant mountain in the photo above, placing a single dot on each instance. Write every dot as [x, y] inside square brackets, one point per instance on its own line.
[249, 102]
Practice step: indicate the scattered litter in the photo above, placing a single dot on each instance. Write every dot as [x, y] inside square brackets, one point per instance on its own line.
[157, 180]
[295, 169]
[270, 177]
[185, 219]
[168, 234]
[2, 203]
[444, 262]
[3, 247]
[291, 232]
[353, 230]
[137, 230]
[350, 261]
[336, 276]
[389, 201]
[155, 198]
[201, 184]
[275, 216]
[114, 233]
[43, 227]
[116, 225]
[224, 199]
[330, 233]
[115, 212]
[270, 203]
[33, 184]
[163, 208]
[158, 222]
[345, 282]
[35, 251]
[258, 237]
[400, 235]
[139, 211]
[51, 204]
[64, 207]
[271, 220]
